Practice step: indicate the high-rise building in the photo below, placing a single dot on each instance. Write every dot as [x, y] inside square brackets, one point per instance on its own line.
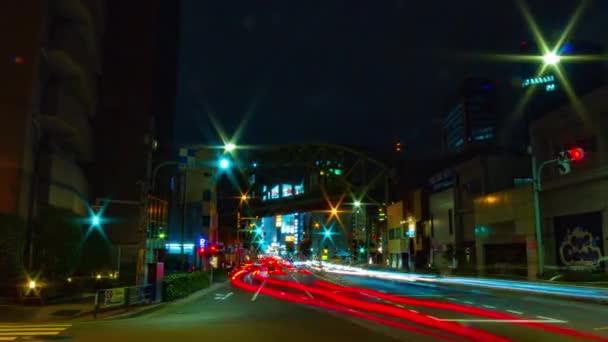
[51, 66]
[473, 119]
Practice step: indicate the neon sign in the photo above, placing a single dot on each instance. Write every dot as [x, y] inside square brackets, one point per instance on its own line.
[547, 81]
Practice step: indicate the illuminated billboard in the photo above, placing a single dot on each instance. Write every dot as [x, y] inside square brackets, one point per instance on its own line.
[285, 190]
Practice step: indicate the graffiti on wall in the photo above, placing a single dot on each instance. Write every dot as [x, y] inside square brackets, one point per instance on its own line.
[579, 240]
[580, 248]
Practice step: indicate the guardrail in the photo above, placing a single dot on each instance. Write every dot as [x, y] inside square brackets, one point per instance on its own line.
[122, 297]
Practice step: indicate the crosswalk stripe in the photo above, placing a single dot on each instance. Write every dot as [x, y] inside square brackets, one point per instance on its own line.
[11, 332]
[31, 329]
[36, 333]
[34, 325]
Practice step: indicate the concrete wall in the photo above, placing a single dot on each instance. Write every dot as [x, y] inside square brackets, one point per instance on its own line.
[590, 194]
[440, 205]
[585, 189]
[64, 172]
[507, 217]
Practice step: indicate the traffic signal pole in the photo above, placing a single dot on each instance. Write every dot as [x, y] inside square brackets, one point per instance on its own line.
[537, 188]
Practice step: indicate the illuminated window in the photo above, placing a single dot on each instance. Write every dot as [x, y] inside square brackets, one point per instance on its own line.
[274, 192]
[299, 189]
[278, 221]
[287, 190]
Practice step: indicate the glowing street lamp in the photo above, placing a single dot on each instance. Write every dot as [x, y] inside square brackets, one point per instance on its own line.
[95, 221]
[551, 58]
[229, 147]
[224, 163]
[357, 204]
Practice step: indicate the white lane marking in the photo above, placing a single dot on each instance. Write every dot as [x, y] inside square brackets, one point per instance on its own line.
[414, 311]
[255, 295]
[602, 328]
[399, 305]
[489, 306]
[547, 318]
[220, 296]
[515, 312]
[297, 281]
[450, 298]
[433, 317]
[363, 293]
[468, 302]
[503, 320]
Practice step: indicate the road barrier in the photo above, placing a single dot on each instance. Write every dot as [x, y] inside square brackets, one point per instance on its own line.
[122, 297]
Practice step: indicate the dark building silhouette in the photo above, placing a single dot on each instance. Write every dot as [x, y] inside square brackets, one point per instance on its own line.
[473, 117]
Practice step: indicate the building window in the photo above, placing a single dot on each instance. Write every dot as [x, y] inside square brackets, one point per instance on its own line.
[391, 234]
[206, 220]
[397, 233]
[450, 222]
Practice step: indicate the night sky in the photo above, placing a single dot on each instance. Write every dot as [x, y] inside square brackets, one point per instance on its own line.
[348, 72]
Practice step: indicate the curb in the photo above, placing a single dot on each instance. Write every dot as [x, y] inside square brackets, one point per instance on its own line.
[155, 307]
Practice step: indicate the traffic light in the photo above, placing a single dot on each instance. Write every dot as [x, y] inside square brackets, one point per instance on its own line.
[565, 157]
[213, 249]
[576, 153]
[201, 251]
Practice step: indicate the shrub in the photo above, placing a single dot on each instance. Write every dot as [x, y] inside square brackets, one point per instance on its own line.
[179, 285]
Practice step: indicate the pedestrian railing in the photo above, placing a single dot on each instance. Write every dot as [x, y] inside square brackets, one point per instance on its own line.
[122, 297]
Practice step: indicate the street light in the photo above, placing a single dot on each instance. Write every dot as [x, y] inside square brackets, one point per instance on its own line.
[95, 221]
[224, 163]
[357, 204]
[229, 147]
[551, 58]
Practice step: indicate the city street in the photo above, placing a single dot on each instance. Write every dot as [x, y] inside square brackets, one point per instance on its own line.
[281, 304]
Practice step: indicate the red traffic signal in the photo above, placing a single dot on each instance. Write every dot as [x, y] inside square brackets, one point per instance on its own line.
[213, 249]
[201, 251]
[576, 153]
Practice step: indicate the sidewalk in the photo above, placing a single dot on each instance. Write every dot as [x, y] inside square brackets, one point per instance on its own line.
[583, 292]
[83, 310]
[37, 313]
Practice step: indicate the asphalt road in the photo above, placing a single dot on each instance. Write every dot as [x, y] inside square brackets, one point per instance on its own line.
[228, 314]
[582, 317]
[231, 314]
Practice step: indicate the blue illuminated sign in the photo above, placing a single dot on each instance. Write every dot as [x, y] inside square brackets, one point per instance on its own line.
[176, 248]
[538, 80]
